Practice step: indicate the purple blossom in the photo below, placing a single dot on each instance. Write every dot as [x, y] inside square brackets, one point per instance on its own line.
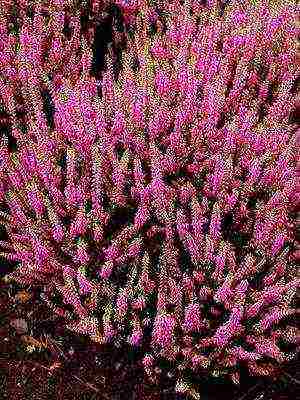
[163, 330]
[192, 320]
[125, 183]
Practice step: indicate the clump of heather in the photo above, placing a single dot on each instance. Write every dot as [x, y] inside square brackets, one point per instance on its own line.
[159, 205]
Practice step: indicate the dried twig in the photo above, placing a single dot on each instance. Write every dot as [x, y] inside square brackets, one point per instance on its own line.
[291, 378]
[86, 384]
[53, 344]
[249, 391]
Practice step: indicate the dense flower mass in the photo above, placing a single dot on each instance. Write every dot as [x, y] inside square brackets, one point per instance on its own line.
[158, 202]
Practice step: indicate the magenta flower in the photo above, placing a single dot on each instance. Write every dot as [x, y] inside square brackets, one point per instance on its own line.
[163, 330]
[173, 184]
[192, 320]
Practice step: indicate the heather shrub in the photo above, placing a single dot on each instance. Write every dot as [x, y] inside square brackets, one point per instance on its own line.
[158, 203]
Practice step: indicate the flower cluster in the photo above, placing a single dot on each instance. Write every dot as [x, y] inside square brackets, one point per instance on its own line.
[159, 205]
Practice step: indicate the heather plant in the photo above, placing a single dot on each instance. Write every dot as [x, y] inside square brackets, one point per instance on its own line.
[159, 205]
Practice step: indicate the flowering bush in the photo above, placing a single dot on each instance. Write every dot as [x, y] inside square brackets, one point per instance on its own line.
[159, 205]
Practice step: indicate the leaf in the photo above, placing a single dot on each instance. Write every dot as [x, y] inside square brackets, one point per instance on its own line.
[33, 344]
[23, 296]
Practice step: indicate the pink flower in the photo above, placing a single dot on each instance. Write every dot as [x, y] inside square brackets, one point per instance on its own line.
[16, 180]
[86, 326]
[182, 225]
[215, 225]
[79, 225]
[58, 232]
[231, 328]
[112, 252]
[163, 83]
[224, 293]
[42, 253]
[122, 304]
[276, 315]
[106, 270]
[137, 113]
[200, 360]
[139, 303]
[192, 245]
[159, 51]
[278, 243]
[135, 168]
[85, 286]
[253, 309]
[148, 361]
[269, 348]
[163, 330]
[108, 330]
[242, 354]
[137, 333]
[36, 201]
[192, 319]
[136, 337]
[220, 264]
[146, 283]
[71, 297]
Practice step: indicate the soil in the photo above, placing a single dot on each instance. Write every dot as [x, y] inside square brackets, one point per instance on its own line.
[40, 359]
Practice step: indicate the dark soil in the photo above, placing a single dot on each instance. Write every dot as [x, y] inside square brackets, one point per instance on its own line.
[40, 359]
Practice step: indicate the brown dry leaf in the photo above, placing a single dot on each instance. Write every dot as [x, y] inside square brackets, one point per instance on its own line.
[55, 366]
[97, 338]
[33, 343]
[23, 296]
[184, 388]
